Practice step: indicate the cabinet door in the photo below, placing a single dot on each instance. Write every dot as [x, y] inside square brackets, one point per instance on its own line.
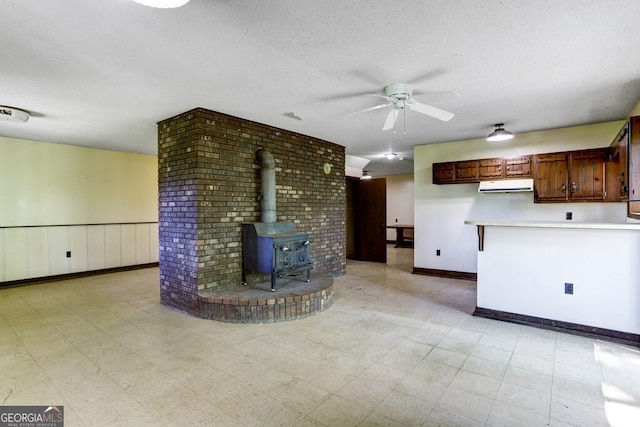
[616, 167]
[443, 173]
[621, 148]
[587, 175]
[634, 168]
[518, 167]
[550, 177]
[491, 169]
[634, 159]
[468, 171]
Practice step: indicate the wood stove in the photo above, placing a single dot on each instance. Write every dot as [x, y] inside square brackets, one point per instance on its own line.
[275, 248]
[270, 246]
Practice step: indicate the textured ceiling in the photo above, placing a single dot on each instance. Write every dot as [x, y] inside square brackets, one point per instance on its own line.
[101, 73]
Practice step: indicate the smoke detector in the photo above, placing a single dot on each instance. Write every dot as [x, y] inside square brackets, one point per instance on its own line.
[11, 114]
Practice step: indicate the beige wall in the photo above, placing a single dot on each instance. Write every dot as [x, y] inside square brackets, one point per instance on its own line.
[55, 184]
[98, 206]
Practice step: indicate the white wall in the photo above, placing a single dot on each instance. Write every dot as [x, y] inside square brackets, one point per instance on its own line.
[440, 210]
[523, 270]
[100, 205]
[400, 197]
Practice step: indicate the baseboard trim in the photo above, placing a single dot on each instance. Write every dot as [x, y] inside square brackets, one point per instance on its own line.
[560, 326]
[445, 273]
[60, 277]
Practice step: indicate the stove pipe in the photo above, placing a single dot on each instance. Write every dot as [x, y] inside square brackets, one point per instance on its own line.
[268, 184]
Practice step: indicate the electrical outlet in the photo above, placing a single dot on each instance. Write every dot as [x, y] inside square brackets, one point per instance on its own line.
[568, 288]
[569, 216]
[68, 254]
[437, 252]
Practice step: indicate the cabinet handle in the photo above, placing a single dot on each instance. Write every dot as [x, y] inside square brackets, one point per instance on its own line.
[508, 168]
[564, 188]
[574, 187]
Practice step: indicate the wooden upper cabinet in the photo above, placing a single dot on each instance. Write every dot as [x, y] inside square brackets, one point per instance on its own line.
[571, 176]
[587, 174]
[550, 177]
[468, 171]
[504, 168]
[482, 170]
[444, 173]
[491, 169]
[517, 167]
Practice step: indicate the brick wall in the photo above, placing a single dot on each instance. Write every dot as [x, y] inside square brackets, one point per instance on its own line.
[209, 184]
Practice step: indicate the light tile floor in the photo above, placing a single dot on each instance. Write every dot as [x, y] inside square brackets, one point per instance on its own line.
[395, 349]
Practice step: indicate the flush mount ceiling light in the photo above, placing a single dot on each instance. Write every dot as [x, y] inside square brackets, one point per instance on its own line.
[365, 175]
[500, 134]
[11, 114]
[390, 156]
[163, 4]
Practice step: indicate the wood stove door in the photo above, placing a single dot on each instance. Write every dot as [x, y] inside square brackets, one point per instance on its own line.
[284, 257]
[301, 255]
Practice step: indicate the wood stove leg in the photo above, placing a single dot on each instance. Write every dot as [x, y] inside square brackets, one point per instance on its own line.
[308, 275]
[273, 281]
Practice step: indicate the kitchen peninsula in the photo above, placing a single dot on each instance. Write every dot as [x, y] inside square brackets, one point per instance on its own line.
[583, 277]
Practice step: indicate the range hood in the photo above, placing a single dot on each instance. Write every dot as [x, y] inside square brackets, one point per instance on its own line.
[506, 186]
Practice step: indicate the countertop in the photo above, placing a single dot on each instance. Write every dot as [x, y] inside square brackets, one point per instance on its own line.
[558, 224]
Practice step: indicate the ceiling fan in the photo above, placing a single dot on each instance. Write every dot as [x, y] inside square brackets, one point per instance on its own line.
[399, 96]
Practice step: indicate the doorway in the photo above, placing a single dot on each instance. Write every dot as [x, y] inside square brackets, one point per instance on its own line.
[366, 219]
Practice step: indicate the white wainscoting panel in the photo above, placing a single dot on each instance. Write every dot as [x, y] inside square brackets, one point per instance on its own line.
[58, 241]
[96, 247]
[31, 252]
[112, 247]
[77, 242]
[16, 261]
[142, 244]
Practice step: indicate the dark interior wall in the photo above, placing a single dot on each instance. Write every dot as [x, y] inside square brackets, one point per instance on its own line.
[209, 184]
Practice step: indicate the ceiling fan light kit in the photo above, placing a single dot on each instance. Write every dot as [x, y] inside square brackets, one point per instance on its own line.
[11, 114]
[499, 134]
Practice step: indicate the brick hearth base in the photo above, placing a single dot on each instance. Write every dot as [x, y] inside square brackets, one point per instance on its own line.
[293, 299]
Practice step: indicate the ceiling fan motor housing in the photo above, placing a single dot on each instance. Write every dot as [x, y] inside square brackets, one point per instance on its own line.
[399, 90]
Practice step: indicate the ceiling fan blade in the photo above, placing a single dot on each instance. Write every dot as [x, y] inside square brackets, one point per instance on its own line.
[366, 109]
[430, 75]
[447, 94]
[343, 96]
[366, 78]
[379, 96]
[429, 110]
[391, 119]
